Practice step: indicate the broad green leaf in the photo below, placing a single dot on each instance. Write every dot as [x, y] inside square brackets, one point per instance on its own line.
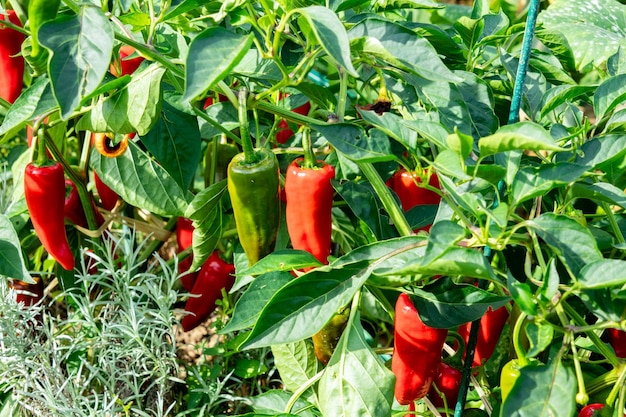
[392, 125]
[532, 182]
[331, 35]
[383, 249]
[175, 142]
[252, 301]
[272, 403]
[539, 338]
[253, 65]
[450, 163]
[479, 100]
[571, 242]
[400, 47]
[81, 48]
[461, 144]
[457, 261]
[282, 260]
[617, 122]
[296, 363]
[557, 95]
[600, 191]
[610, 94]
[212, 55]
[353, 142]
[533, 88]
[431, 131]
[134, 108]
[542, 390]
[140, 181]
[355, 381]
[303, 306]
[518, 136]
[602, 150]
[558, 46]
[35, 101]
[616, 64]
[603, 273]
[12, 262]
[206, 212]
[444, 304]
[594, 29]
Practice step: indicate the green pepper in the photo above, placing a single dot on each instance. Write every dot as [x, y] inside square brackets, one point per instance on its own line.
[254, 192]
[40, 12]
[325, 341]
[510, 373]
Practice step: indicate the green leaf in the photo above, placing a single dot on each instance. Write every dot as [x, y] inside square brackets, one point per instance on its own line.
[600, 191]
[610, 94]
[35, 101]
[461, 144]
[140, 181]
[296, 362]
[282, 260]
[533, 88]
[572, 243]
[272, 403]
[206, 212]
[252, 301]
[532, 182]
[303, 306]
[331, 35]
[355, 381]
[522, 295]
[353, 142]
[134, 108]
[391, 124]
[12, 264]
[603, 273]
[539, 338]
[175, 142]
[560, 94]
[616, 64]
[444, 304]
[81, 48]
[594, 29]
[602, 150]
[518, 136]
[212, 56]
[542, 390]
[400, 47]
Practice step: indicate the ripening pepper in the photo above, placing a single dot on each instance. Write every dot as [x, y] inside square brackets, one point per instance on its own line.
[491, 325]
[214, 276]
[11, 61]
[325, 341]
[73, 208]
[44, 191]
[40, 12]
[617, 339]
[448, 381]
[254, 192]
[404, 184]
[108, 197]
[309, 195]
[509, 374]
[184, 239]
[417, 352]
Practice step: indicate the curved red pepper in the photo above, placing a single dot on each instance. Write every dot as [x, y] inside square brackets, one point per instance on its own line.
[11, 60]
[44, 191]
[73, 208]
[617, 339]
[108, 197]
[491, 325]
[404, 184]
[309, 195]
[417, 352]
[184, 238]
[449, 383]
[214, 276]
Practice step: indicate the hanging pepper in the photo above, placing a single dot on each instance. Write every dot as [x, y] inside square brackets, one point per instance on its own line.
[405, 185]
[11, 61]
[309, 195]
[44, 191]
[73, 207]
[284, 132]
[509, 374]
[448, 382]
[617, 339]
[184, 239]
[491, 325]
[325, 341]
[107, 147]
[417, 352]
[254, 188]
[40, 12]
[108, 197]
[125, 65]
[214, 276]
[225, 153]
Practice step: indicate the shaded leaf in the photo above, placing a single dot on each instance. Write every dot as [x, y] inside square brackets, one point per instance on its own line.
[12, 261]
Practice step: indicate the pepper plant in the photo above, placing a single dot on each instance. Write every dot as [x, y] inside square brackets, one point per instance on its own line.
[437, 197]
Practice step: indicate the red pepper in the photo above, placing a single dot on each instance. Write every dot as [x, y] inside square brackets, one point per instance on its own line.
[417, 352]
[11, 60]
[214, 276]
[309, 195]
[184, 238]
[617, 339]
[108, 197]
[126, 66]
[73, 208]
[491, 325]
[405, 185]
[449, 383]
[26, 293]
[44, 191]
[284, 132]
[591, 410]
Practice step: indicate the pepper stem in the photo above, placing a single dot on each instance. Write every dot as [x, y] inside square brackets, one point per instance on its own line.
[42, 154]
[246, 142]
[307, 145]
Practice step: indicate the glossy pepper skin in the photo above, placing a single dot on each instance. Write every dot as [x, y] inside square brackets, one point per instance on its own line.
[44, 191]
[448, 381]
[184, 239]
[254, 192]
[214, 276]
[11, 62]
[73, 208]
[29, 294]
[617, 339]
[126, 65]
[509, 374]
[309, 195]
[491, 325]
[417, 352]
[404, 184]
[325, 341]
[40, 12]
[108, 197]
[591, 410]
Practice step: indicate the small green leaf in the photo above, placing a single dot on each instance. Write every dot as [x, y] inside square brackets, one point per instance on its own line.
[461, 143]
[532, 182]
[272, 403]
[518, 136]
[35, 101]
[609, 95]
[557, 95]
[296, 363]
[282, 260]
[602, 150]
[522, 295]
[249, 368]
[12, 264]
[353, 143]
[539, 338]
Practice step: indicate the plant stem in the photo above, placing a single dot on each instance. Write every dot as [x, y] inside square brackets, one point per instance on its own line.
[309, 156]
[246, 142]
